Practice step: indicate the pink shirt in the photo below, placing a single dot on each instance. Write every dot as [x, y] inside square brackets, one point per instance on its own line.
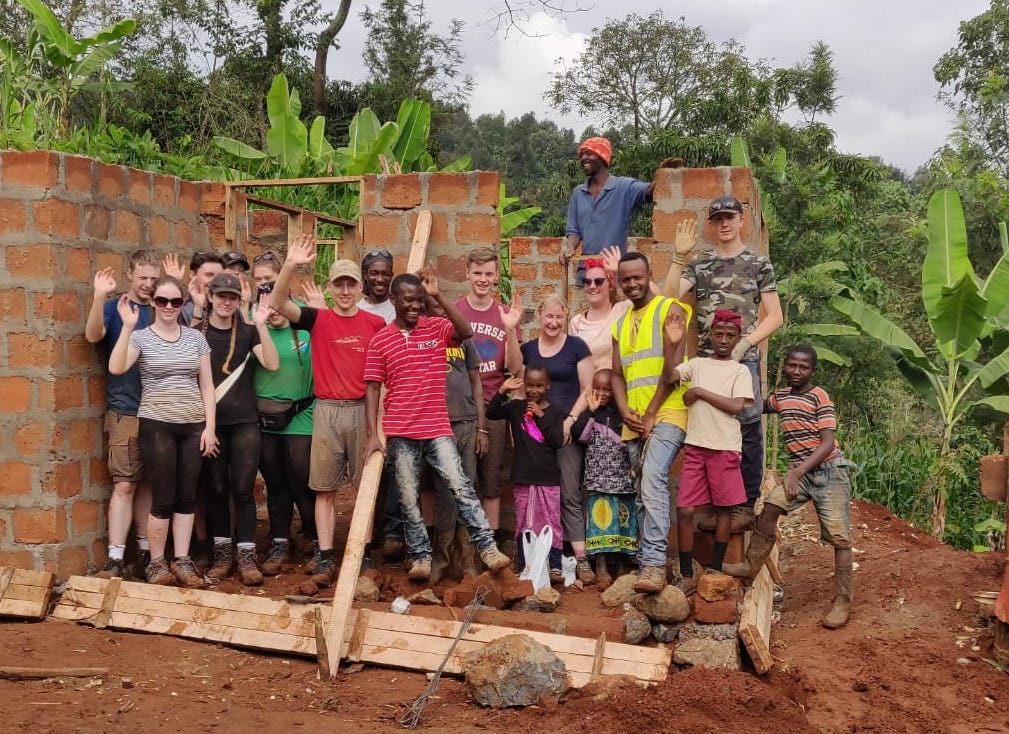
[598, 334]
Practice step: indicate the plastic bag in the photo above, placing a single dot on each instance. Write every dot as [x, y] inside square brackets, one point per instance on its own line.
[536, 549]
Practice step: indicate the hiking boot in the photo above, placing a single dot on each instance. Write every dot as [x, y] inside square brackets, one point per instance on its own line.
[441, 558]
[247, 568]
[742, 519]
[556, 577]
[494, 559]
[420, 569]
[113, 569]
[223, 563]
[686, 584]
[313, 564]
[651, 580]
[393, 549]
[583, 570]
[466, 552]
[756, 554]
[186, 574]
[838, 615]
[201, 551]
[158, 573]
[325, 572]
[279, 555]
[143, 558]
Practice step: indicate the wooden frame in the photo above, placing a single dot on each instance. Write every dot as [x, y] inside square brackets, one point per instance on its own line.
[24, 594]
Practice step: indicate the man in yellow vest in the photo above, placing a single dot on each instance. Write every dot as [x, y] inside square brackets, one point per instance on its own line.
[655, 418]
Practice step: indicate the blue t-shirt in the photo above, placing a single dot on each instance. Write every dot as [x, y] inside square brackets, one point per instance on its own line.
[122, 392]
[603, 222]
[562, 368]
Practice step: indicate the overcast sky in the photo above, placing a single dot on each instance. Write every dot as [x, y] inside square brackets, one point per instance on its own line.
[884, 51]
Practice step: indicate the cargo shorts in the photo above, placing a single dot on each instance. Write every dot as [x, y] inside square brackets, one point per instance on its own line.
[828, 487]
[124, 449]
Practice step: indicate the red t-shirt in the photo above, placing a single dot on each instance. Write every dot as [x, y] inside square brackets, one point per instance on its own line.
[412, 366]
[339, 347]
[489, 337]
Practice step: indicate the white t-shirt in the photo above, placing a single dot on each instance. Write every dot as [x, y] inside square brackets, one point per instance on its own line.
[707, 426]
[170, 391]
[384, 310]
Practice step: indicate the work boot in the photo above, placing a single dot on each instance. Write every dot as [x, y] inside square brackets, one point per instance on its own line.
[143, 558]
[313, 564]
[186, 573]
[223, 561]
[651, 580]
[583, 570]
[420, 569]
[280, 553]
[158, 573]
[247, 568]
[756, 554]
[838, 615]
[325, 572]
[742, 519]
[440, 559]
[556, 577]
[113, 569]
[393, 549]
[467, 556]
[494, 559]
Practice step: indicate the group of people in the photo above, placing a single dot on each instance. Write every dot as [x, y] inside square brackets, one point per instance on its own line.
[212, 381]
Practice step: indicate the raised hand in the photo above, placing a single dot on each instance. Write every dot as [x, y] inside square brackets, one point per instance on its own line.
[197, 295]
[245, 298]
[512, 317]
[675, 325]
[591, 399]
[611, 258]
[314, 296]
[686, 238]
[512, 383]
[429, 279]
[302, 251]
[105, 283]
[170, 266]
[261, 309]
[127, 313]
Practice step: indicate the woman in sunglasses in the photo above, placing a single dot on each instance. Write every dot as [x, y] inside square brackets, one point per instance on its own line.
[177, 422]
[232, 473]
[595, 322]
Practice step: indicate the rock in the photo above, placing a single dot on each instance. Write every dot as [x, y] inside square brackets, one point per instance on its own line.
[427, 596]
[669, 605]
[366, 589]
[308, 588]
[514, 670]
[620, 592]
[709, 631]
[707, 653]
[637, 626]
[724, 611]
[665, 632]
[544, 600]
[505, 584]
[719, 586]
[463, 595]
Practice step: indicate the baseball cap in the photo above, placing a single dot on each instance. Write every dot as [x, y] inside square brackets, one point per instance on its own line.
[226, 283]
[233, 257]
[727, 203]
[344, 269]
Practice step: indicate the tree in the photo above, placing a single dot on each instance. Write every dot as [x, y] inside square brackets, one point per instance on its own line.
[327, 38]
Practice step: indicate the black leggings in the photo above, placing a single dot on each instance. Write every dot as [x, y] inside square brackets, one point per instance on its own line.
[170, 453]
[233, 471]
[284, 463]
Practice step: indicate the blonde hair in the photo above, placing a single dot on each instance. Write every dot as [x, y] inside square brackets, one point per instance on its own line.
[552, 299]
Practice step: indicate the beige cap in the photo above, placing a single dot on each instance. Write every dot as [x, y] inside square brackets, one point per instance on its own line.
[344, 269]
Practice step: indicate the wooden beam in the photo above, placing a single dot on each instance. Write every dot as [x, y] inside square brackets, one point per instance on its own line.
[16, 673]
[24, 594]
[283, 206]
[418, 247]
[755, 621]
[320, 181]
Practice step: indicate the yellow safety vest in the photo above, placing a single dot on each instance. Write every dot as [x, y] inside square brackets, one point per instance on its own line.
[642, 361]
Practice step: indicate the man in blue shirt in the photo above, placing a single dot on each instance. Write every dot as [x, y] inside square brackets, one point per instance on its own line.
[131, 498]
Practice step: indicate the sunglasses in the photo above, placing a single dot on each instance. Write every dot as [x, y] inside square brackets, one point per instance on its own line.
[382, 253]
[162, 302]
[268, 256]
[597, 282]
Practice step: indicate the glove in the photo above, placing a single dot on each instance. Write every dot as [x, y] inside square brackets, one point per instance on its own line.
[741, 349]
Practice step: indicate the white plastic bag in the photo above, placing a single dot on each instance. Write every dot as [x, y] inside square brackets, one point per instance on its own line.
[536, 549]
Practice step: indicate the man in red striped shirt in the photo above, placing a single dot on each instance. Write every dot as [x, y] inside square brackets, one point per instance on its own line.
[408, 356]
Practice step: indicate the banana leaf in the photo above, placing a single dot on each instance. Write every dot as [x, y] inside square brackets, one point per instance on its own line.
[459, 164]
[925, 383]
[825, 354]
[995, 370]
[823, 330]
[364, 130]
[959, 315]
[996, 287]
[61, 48]
[287, 138]
[414, 122]
[946, 260]
[368, 161]
[998, 402]
[239, 149]
[879, 327]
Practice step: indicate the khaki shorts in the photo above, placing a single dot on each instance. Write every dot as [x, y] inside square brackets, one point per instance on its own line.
[124, 450]
[338, 438]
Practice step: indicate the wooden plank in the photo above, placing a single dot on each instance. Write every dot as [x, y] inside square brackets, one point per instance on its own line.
[261, 182]
[24, 593]
[108, 603]
[295, 210]
[321, 651]
[755, 621]
[18, 673]
[6, 574]
[597, 661]
[772, 565]
[418, 247]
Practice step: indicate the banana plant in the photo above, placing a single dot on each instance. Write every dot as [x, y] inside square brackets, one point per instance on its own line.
[963, 313]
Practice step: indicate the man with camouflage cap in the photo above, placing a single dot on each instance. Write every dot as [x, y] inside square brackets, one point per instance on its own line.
[733, 277]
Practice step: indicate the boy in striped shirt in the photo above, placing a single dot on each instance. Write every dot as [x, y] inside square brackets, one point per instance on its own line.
[408, 356]
[817, 473]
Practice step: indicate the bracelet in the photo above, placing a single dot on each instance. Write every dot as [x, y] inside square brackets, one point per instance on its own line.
[572, 416]
[483, 430]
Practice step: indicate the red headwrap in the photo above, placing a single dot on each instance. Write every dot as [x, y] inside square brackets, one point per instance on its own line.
[725, 316]
[593, 262]
[600, 146]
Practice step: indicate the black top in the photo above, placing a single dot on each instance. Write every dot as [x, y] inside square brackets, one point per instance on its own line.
[535, 461]
[239, 403]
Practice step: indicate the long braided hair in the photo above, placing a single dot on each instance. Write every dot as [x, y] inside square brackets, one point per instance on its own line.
[205, 324]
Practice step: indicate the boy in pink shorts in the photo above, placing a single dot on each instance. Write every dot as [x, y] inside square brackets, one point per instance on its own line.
[720, 387]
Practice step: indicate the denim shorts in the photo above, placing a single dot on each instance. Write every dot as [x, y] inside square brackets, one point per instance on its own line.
[829, 489]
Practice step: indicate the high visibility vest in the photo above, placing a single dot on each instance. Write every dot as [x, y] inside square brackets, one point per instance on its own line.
[642, 361]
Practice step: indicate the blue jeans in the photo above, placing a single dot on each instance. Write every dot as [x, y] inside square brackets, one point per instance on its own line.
[751, 425]
[406, 455]
[652, 499]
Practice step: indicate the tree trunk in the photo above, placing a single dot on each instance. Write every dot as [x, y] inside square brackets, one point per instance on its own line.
[326, 39]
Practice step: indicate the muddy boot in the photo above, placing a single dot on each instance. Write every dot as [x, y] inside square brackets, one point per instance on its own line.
[313, 563]
[247, 568]
[466, 552]
[603, 578]
[186, 573]
[756, 553]
[280, 553]
[583, 570]
[651, 580]
[838, 615]
[441, 557]
[224, 561]
[158, 573]
[494, 559]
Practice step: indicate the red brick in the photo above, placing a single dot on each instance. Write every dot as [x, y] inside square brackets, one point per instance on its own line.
[553, 272]
[524, 272]
[15, 478]
[183, 237]
[69, 393]
[382, 230]
[139, 186]
[702, 183]
[47, 394]
[478, 229]
[17, 559]
[110, 180]
[719, 586]
[65, 480]
[127, 228]
[164, 190]
[746, 232]
[520, 246]
[12, 216]
[57, 439]
[369, 193]
[189, 196]
[741, 183]
[12, 304]
[109, 260]
[667, 183]
[30, 168]
[40, 525]
[78, 176]
[58, 218]
[29, 439]
[725, 611]
[488, 188]
[71, 562]
[61, 307]
[664, 224]
[401, 192]
[548, 246]
[83, 435]
[439, 227]
[85, 517]
[27, 350]
[157, 230]
[98, 472]
[96, 391]
[212, 198]
[15, 394]
[268, 222]
[32, 261]
[450, 269]
[97, 222]
[81, 353]
[79, 264]
[447, 189]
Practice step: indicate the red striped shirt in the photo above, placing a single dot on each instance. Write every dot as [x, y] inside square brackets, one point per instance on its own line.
[412, 366]
[803, 416]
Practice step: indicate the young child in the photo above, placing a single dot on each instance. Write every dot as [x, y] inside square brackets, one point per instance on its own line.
[611, 525]
[720, 387]
[537, 431]
[817, 472]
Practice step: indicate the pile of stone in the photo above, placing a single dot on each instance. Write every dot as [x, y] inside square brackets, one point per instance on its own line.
[504, 590]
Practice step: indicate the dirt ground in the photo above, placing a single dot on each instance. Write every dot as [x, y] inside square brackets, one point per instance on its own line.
[910, 660]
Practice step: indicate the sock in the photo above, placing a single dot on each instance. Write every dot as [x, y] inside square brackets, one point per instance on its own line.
[142, 543]
[281, 541]
[222, 541]
[116, 552]
[247, 546]
[718, 555]
[686, 563]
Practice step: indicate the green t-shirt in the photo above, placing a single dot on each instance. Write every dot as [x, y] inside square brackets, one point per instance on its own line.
[293, 380]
